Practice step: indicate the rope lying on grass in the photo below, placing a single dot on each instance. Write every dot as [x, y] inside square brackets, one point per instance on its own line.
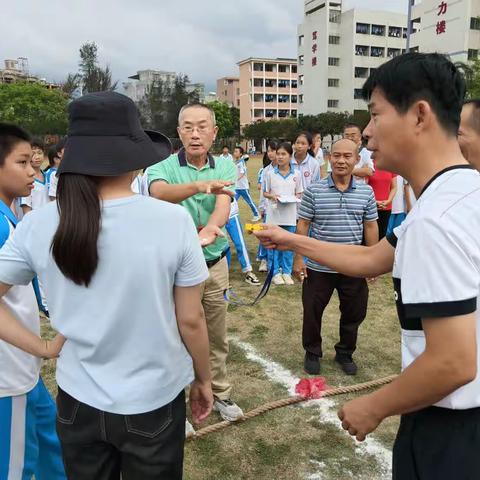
[291, 401]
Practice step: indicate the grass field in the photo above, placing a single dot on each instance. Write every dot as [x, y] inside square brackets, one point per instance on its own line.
[302, 442]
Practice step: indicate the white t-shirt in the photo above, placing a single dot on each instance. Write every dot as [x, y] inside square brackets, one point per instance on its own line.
[52, 186]
[19, 370]
[234, 209]
[241, 183]
[319, 157]
[398, 202]
[289, 186]
[437, 266]
[140, 185]
[308, 170]
[123, 353]
[39, 196]
[365, 161]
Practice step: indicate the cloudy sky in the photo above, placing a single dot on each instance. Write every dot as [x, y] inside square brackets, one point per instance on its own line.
[203, 39]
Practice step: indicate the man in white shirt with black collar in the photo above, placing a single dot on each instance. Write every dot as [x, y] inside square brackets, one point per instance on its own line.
[415, 102]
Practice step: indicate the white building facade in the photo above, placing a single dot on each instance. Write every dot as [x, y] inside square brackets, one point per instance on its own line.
[338, 50]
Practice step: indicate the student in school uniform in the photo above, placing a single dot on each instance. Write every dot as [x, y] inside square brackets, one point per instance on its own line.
[242, 184]
[226, 155]
[56, 153]
[125, 363]
[39, 195]
[140, 184]
[415, 102]
[28, 442]
[303, 160]
[399, 205]
[283, 187]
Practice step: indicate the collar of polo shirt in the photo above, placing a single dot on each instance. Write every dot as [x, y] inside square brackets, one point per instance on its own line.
[352, 186]
[277, 170]
[182, 159]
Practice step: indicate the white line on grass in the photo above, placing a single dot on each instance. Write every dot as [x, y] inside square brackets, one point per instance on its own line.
[326, 408]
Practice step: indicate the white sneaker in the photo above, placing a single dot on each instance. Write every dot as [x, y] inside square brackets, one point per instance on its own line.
[278, 279]
[228, 410]
[263, 266]
[256, 218]
[252, 279]
[189, 430]
[288, 279]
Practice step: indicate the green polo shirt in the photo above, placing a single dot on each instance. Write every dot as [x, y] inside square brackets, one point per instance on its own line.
[176, 170]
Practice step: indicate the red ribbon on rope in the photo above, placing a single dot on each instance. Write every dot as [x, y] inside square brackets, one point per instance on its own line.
[311, 388]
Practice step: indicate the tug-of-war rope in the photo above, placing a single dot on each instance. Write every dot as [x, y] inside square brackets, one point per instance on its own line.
[306, 389]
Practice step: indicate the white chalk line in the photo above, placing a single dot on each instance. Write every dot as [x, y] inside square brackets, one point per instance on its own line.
[326, 408]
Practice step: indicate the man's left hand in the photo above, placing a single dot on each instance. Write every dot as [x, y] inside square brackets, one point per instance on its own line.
[359, 418]
[209, 235]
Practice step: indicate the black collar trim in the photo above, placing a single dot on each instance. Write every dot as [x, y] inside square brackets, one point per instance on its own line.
[441, 172]
[182, 159]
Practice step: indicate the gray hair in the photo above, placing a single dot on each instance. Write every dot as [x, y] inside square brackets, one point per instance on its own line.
[197, 105]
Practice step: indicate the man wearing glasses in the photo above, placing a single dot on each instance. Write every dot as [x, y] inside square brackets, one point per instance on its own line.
[204, 185]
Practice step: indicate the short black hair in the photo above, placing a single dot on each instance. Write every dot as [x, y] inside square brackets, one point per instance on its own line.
[352, 125]
[411, 77]
[286, 146]
[475, 118]
[242, 150]
[11, 135]
[38, 143]
[226, 146]
[52, 155]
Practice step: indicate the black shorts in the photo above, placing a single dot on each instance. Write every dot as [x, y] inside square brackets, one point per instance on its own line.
[438, 444]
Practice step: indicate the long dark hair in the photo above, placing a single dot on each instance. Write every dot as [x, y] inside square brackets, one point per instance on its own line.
[272, 144]
[309, 138]
[74, 246]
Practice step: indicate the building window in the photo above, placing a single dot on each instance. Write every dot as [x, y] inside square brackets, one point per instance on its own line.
[393, 52]
[333, 103]
[225, 93]
[258, 67]
[283, 83]
[270, 83]
[301, 79]
[377, 51]
[225, 82]
[475, 23]
[357, 94]
[363, 28]
[270, 67]
[283, 68]
[361, 50]
[270, 113]
[301, 60]
[361, 72]
[283, 113]
[372, 71]
[258, 113]
[395, 32]
[258, 97]
[294, 99]
[472, 54]
[238, 91]
[238, 103]
[334, 40]
[333, 82]
[301, 40]
[334, 16]
[405, 32]
[294, 69]
[333, 61]
[300, 98]
[294, 114]
[270, 98]
[295, 83]
[378, 30]
[283, 98]
[258, 82]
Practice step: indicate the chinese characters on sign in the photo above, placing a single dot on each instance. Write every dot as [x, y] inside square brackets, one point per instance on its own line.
[442, 24]
[314, 48]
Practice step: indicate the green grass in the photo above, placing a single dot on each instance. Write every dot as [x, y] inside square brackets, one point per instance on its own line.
[290, 443]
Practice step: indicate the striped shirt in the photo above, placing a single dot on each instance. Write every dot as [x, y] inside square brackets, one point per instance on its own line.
[337, 216]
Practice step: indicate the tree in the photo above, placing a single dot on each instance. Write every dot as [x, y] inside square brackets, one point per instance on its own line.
[224, 118]
[34, 107]
[235, 114]
[71, 84]
[93, 77]
[471, 72]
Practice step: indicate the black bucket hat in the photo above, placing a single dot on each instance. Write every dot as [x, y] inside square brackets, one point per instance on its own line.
[105, 137]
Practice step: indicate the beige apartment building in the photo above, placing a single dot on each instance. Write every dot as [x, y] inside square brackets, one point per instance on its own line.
[268, 89]
[228, 91]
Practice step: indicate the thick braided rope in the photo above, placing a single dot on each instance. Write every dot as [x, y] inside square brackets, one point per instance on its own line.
[292, 401]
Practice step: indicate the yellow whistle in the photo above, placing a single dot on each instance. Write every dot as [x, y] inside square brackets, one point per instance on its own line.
[253, 227]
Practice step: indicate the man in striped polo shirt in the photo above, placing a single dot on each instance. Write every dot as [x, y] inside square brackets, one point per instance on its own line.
[337, 209]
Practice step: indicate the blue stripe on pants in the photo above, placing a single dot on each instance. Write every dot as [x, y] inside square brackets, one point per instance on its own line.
[234, 229]
[283, 260]
[245, 194]
[28, 422]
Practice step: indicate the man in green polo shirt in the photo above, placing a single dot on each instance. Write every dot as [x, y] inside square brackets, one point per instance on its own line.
[204, 185]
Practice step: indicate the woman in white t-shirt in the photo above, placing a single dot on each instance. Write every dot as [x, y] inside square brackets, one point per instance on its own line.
[123, 276]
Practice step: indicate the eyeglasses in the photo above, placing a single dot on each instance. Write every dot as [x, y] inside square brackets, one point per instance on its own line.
[189, 129]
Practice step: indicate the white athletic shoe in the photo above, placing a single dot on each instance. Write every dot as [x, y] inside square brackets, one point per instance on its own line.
[263, 266]
[228, 410]
[278, 279]
[288, 279]
[252, 279]
[256, 218]
[189, 430]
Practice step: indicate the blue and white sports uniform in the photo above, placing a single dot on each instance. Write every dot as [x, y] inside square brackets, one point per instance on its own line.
[28, 440]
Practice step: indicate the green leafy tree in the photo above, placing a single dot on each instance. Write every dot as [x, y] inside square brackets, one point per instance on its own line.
[34, 107]
[235, 114]
[224, 119]
[93, 77]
